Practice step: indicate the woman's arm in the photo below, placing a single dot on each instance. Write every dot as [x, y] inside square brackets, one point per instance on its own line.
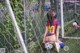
[57, 34]
[45, 34]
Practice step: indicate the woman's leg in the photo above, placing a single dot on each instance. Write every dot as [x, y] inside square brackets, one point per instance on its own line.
[55, 44]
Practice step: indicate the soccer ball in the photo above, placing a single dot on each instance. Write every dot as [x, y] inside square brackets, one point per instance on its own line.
[74, 24]
[48, 45]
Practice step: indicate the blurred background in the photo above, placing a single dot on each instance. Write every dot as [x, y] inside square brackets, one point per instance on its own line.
[31, 19]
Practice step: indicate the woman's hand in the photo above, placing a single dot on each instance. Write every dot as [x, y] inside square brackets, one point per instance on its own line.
[43, 40]
[56, 40]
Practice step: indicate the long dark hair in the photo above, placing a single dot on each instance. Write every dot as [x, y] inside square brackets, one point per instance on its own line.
[50, 16]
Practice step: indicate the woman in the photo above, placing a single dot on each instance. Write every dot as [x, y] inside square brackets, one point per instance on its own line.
[52, 28]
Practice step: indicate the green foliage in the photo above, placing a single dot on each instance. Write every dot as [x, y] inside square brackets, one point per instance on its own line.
[17, 6]
[35, 29]
[69, 27]
[7, 34]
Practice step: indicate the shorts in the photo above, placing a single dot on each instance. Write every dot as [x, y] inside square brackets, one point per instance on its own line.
[50, 38]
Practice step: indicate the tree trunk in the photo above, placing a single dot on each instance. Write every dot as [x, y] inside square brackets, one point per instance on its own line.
[38, 4]
[42, 7]
[52, 4]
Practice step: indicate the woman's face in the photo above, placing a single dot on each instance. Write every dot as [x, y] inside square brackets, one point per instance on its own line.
[53, 13]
